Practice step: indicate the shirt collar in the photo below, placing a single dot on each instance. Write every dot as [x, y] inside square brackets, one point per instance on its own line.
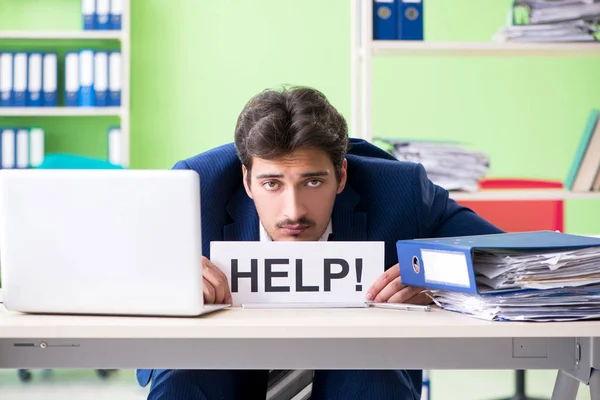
[264, 236]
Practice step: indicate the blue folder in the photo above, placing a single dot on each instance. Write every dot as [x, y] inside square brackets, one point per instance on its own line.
[410, 19]
[448, 263]
[384, 20]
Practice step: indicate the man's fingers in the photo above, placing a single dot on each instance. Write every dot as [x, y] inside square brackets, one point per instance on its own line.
[217, 279]
[381, 282]
[209, 291]
[387, 292]
[420, 298]
[411, 295]
[216, 282]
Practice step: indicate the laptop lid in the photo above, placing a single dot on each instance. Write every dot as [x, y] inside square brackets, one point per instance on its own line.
[101, 241]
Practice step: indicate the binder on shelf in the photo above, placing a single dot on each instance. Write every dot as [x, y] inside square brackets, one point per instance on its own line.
[72, 79]
[88, 12]
[7, 145]
[384, 20]
[22, 148]
[114, 145]
[102, 14]
[114, 79]
[19, 79]
[6, 79]
[101, 78]
[582, 149]
[86, 78]
[409, 19]
[49, 83]
[36, 147]
[34, 80]
[448, 263]
[116, 14]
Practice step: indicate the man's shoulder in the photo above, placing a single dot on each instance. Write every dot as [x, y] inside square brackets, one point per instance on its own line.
[216, 157]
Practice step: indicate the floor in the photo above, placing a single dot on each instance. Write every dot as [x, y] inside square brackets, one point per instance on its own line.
[121, 385]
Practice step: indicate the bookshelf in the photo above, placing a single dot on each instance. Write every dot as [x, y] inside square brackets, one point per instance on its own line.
[364, 48]
[85, 39]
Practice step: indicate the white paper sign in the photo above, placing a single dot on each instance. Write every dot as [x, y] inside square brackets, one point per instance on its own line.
[291, 272]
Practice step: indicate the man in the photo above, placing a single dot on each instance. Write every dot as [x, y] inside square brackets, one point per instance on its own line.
[293, 174]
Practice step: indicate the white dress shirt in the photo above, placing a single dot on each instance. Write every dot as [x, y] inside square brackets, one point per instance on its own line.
[264, 236]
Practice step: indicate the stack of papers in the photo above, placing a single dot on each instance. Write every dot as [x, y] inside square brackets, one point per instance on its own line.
[552, 21]
[447, 165]
[546, 285]
[560, 304]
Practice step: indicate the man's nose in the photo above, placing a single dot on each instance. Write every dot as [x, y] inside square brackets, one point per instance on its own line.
[294, 205]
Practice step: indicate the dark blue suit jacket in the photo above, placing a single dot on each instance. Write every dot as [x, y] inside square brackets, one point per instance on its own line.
[384, 200]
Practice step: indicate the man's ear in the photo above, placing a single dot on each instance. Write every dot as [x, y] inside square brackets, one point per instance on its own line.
[246, 179]
[343, 176]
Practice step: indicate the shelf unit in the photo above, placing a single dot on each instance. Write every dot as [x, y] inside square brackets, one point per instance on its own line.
[364, 48]
[123, 112]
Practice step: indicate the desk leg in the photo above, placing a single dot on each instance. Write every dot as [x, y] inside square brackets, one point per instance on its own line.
[595, 385]
[565, 387]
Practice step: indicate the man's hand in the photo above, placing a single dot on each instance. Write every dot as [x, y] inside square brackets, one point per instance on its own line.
[215, 285]
[388, 288]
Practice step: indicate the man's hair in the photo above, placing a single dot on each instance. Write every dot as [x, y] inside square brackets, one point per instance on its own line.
[275, 123]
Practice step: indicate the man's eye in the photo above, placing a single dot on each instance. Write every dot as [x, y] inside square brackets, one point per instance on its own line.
[314, 183]
[270, 185]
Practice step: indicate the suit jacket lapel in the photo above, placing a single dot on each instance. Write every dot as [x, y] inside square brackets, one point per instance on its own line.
[348, 224]
[245, 219]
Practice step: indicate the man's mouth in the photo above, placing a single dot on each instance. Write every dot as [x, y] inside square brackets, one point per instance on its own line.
[294, 229]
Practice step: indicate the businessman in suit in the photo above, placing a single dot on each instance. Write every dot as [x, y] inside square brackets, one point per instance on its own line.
[294, 174]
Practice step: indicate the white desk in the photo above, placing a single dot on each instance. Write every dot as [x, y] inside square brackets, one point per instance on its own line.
[305, 339]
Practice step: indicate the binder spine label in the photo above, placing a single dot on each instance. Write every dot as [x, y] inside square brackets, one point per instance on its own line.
[444, 267]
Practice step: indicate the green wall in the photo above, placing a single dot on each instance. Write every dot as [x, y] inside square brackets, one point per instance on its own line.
[195, 63]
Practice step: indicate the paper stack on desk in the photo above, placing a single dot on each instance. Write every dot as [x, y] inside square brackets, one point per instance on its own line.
[530, 276]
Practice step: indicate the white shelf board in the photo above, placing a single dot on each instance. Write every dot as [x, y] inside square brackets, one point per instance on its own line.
[60, 111]
[493, 49]
[103, 35]
[523, 194]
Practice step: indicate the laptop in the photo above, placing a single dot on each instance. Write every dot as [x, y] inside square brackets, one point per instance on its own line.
[109, 242]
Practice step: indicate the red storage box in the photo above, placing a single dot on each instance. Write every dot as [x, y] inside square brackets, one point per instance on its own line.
[519, 215]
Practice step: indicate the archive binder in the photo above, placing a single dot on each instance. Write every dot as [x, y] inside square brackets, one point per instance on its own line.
[410, 19]
[102, 14]
[101, 78]
[8, 144]
[114, 79]
[34, 81]
[22, 148]
[88, 12]
[6, 79]
[116, 14]
[384, 20]
[19, 79]
[71, 79]
[448, 263]
[86, 78]
[114, 145]
[36, 147]
[50, 84]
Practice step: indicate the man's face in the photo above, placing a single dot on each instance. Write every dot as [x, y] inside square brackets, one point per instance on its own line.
[294, 195]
